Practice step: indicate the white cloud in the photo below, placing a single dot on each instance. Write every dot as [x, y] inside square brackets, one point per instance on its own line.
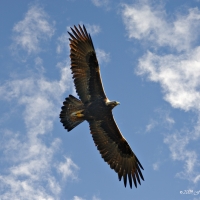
[28, 168]
[143, 21]
[92, 29]
[67, 168]
[62, 43]
[140, 20]
[151, 125]
[178, 146]
[66, 81]
[178, 71]
[177, 74]
[30, 161]
[162, 119]
[39, 65]
[101, 3]
[38, 61]
[95, 198]
[179, 77]
[156, 166]
[78, 198]
[32, 30]
[102, 56]
[170, 120]
[197, 178]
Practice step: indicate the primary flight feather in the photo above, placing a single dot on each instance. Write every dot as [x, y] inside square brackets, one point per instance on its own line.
[95, 108]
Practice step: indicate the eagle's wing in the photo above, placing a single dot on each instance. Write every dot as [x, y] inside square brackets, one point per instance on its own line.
[84, 66]
[115, 150]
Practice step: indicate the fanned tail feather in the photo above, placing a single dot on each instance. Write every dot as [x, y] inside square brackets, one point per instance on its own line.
[70, 106]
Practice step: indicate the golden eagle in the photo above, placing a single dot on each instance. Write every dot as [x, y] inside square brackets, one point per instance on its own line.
[95, 108]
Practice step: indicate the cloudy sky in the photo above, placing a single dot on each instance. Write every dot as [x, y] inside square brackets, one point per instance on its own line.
[149, 53]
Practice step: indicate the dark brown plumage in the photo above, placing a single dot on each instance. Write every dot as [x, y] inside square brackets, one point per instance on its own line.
[95, 108]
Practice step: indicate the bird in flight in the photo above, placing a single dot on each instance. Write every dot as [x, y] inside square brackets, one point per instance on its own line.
[96, 109]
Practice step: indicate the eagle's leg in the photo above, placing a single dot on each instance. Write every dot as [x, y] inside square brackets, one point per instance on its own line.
[78, 113]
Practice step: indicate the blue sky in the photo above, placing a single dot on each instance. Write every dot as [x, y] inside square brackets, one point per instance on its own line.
[149, 53]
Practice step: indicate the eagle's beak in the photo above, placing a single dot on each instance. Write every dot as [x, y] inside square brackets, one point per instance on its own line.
[118, 103]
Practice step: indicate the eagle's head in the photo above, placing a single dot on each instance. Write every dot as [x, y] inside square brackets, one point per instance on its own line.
[112, 104]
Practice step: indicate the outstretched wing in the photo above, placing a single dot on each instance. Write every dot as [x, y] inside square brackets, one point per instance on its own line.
[84, 66]
[115, 150]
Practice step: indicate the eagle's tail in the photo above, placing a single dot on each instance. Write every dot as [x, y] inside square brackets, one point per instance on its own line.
[71, 114]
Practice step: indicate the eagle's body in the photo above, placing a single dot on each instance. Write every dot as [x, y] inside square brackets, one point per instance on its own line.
[95, 108]
[98, 109]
